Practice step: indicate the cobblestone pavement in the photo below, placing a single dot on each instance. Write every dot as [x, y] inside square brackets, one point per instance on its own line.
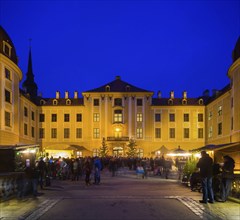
[152, 197]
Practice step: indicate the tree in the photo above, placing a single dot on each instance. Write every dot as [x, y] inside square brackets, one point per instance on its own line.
[103, 148]
[132, 150]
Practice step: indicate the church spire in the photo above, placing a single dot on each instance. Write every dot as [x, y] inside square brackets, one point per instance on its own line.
[29, 85]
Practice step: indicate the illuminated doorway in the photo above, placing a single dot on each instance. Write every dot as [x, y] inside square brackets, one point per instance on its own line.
[118, 151]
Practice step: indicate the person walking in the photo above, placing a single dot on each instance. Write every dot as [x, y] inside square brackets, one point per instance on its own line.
[227, 178]
[88, 171]
[205, 164]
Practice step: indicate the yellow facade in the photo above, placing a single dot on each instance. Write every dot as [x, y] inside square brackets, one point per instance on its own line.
[76, 125]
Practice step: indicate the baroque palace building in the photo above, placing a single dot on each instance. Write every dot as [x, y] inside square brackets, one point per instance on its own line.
[117, 112]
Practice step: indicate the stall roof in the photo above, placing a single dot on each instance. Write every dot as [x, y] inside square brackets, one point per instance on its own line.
[18, 147]
[216, 147]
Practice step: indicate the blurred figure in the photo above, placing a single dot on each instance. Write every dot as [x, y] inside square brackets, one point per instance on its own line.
[227, 178]
[97, 170]
[205, 164]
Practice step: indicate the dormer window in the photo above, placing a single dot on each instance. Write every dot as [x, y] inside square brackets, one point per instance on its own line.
[7, 49]
[184, 101]
[200, 101]
[68, 102]
[170, 102]
[127, 88]
[107, 88]
[42, 102]
[55, 102]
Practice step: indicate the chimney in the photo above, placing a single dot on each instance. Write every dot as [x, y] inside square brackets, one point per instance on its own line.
[184, 95]
[57, 95]
[172, 94]
[75, 95]
[118, 77]
[66, 95]
[159, 94]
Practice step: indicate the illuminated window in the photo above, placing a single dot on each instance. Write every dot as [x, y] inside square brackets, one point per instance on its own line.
[79, 117]
[7, 119]
[96, 133]
[139, 117]
[219, 110]
[95, 152]
[171, 117]
[186, 117]
[66, 117]
[79, 133]
[54, 133]
[140, 152]
[7, 74]
[200, 132]
[96, 117]
[139, 133]
[186, 132]
[157, 132]
[54, 117]
[172, 132]
[41, 133]
[66, 132]
[118, 116]
[157, 117]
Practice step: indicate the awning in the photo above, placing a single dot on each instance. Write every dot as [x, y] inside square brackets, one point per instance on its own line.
[162, 149]
[212, 147]
[77, 148]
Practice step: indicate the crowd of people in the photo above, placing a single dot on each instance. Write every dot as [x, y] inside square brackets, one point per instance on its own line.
[89, 169]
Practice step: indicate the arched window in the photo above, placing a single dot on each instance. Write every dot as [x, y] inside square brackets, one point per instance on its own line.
[55, 102]
[68, 102]
[42, 102]
[127, 88]
[184, 101]
[170, 102]
[200, 101]
[107, 88]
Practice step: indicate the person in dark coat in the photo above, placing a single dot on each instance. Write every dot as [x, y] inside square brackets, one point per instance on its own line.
[205, 164]
[227, 178]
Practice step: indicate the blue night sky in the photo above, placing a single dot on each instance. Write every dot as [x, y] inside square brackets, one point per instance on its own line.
[155, 45]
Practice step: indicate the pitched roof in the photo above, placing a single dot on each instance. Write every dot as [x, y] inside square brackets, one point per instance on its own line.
[61, 102]
[175, 101]
[118, 85]
[5, 37]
